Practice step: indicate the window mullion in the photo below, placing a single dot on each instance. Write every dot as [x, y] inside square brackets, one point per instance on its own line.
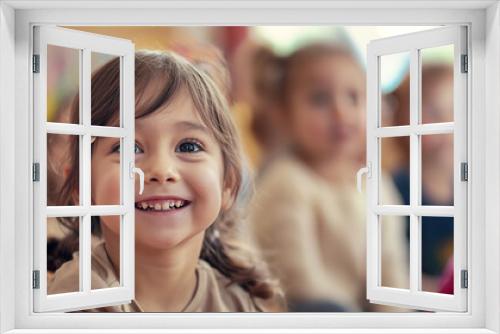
[85, 168]
[415, 174]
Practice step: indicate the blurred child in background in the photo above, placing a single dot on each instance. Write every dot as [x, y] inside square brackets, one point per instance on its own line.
[307, 216]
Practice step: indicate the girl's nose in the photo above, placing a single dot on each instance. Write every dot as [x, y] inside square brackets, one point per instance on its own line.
[338, 111]
[161, 170]
[343, 111]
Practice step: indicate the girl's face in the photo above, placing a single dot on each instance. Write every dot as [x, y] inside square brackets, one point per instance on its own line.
[326, 104]
[183, 185]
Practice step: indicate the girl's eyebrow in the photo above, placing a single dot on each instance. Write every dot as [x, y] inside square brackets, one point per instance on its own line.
[191, 126]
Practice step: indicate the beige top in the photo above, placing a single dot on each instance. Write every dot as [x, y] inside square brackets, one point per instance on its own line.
[214, 291]
[313, 236]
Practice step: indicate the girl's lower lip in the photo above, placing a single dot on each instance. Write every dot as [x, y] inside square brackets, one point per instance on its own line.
[162, 213]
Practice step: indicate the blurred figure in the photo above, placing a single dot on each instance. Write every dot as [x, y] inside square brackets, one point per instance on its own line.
[57, 155]
[252, 107]
[307, 216]
[268, 123]
[437, 167]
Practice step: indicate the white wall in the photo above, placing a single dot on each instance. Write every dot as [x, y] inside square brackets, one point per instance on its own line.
[7, 178]
[493, 162]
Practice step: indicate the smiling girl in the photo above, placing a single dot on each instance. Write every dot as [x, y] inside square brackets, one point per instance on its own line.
[187, 256]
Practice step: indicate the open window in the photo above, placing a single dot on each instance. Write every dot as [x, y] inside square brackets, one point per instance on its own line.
[417, 132]
[16, 251]
[84, 49]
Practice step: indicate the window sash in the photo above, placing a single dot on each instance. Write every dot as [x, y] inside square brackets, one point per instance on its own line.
[414, 298]
[85, 43]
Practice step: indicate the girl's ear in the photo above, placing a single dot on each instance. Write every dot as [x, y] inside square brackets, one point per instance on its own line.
[227, 198]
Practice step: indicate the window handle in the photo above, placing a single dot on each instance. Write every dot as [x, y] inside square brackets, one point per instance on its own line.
[359, 175]
[136, 170]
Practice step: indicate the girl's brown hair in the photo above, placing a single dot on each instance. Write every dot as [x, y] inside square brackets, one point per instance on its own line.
[158, 76]
[275, 74]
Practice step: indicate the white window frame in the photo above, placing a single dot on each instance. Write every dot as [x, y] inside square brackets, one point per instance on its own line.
[483, 18]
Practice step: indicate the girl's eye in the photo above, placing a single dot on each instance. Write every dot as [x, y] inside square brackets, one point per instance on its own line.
[137, 149]
[319, 98]
[353, 98]
[189, 146]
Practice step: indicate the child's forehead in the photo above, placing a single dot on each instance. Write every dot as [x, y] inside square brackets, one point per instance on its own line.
[179, 105]
[329, 70]
[170, 114]
[333, 62]
[179, 113]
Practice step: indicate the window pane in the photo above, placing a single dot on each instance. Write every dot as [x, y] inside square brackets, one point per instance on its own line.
[437, 254]
[437, 169]
[63, 82]
[106, 243]
[63, 170]
[106, 169]
[395, 252]
[394, 188]
[395, 89]
[437, 84]
[105, 101]
[62, 243]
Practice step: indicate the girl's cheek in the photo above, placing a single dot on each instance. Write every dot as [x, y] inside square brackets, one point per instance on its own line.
[112, 223]
[107, 187]
[208, 180]
[319, 126]
[207, 186]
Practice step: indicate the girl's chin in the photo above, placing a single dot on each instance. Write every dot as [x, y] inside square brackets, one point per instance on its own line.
[163, 219]
[169, 237]
[158, 243]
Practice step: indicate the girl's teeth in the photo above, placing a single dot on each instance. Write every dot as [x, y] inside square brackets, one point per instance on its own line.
[164, 205]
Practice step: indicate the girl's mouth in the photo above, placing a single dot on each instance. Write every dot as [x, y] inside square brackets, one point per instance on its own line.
[161, 205]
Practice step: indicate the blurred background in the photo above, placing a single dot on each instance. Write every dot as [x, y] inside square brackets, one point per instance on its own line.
[298, 97]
